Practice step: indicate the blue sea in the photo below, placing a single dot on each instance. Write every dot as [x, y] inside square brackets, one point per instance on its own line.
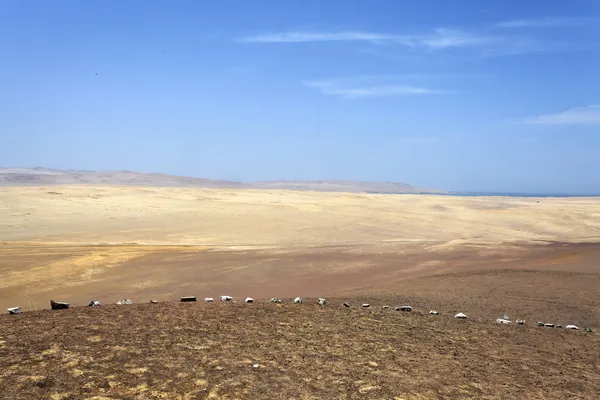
[508, 194]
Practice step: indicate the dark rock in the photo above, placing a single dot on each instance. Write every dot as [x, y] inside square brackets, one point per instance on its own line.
[58, 305]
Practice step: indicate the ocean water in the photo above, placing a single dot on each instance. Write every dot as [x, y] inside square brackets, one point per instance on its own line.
[508, 194]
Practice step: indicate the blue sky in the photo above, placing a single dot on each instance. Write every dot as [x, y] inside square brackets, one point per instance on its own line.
[457, 95]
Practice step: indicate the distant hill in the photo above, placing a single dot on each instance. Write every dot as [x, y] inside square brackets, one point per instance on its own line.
[44, 176]
[343, 186]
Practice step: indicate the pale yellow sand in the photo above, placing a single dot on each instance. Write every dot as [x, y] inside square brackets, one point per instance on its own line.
[221, 217]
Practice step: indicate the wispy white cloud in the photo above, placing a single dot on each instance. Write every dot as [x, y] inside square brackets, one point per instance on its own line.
[545, 22]
[439, 39]
[406, 46]
[447, 38]
[589, 115]
[364, 87]
[303, 37]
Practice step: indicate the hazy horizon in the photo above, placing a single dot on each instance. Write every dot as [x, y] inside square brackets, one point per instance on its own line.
[496, 97]
[423, 190]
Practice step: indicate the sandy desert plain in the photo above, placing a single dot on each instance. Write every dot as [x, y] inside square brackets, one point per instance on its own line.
[531, 258]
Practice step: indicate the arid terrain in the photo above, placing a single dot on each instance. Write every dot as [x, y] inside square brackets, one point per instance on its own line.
[531, 258]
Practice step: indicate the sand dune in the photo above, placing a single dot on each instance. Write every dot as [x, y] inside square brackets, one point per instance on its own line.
[226, 217]
[110, 241]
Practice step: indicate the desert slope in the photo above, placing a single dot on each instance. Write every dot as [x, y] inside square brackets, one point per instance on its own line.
[86, 214]
[77, 241]
[526, 257]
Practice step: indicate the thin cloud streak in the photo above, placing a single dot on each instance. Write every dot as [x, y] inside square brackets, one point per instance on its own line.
[446, 38]
[412, 45]
[546, 22]
[589, 115]
[366, 88]
[305, 37]
[439, 39]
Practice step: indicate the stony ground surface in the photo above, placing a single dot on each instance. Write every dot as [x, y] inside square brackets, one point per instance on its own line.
[269, 351]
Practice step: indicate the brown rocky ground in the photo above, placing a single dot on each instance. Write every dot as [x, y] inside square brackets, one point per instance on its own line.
[198, 350]
[268, 351]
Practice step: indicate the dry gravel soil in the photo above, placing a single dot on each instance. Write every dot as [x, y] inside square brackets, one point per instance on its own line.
[269, 351]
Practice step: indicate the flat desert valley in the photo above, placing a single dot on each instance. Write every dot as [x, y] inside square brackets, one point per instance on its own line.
[531, 258]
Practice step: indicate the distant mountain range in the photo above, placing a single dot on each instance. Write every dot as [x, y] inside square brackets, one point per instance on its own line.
[45, 176]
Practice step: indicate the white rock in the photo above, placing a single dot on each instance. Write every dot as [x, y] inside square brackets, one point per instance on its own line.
[208, 299]
[502, 321]
[297, 300]
[433, 312]
[226, 298]
[249, 300]
[385, 307]
[571, 327]
[322, 301]
[14, 310]
[366, 305]
[275, 300]
[460, 316]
